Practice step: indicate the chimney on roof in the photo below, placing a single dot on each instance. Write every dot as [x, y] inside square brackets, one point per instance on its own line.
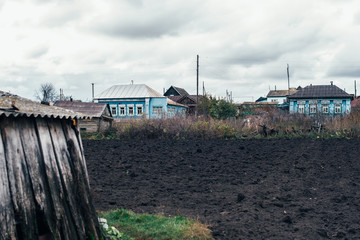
[331, 82]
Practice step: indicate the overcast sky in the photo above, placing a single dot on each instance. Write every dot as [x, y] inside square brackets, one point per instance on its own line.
[244, 46]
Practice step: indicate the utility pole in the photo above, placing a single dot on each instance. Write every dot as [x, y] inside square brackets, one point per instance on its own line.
[197, 84]
[92, 84]
[355, 87]
[288, 75]
[203, 88]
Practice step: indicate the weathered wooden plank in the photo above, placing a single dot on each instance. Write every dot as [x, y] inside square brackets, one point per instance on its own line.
[7, 219]
[19, 181]
[81, 179]
[62, 229]
[65, 167]
[36, 167]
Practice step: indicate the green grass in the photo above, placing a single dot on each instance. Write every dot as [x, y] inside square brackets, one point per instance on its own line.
[155, 227]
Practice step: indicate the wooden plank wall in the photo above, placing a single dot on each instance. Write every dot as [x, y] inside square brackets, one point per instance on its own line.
[44, 186]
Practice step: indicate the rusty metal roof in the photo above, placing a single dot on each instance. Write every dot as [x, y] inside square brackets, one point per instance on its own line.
[321, 91]
[129, 91]
[171, 102]
[87, 108]
[281, 93]
[15, 106]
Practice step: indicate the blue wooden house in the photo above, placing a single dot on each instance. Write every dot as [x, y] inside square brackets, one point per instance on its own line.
[327, 100]
[139, 101]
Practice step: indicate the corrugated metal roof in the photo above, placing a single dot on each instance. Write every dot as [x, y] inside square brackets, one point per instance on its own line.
[87, 108]
[13, 105]
[321, 91]
[128, 91]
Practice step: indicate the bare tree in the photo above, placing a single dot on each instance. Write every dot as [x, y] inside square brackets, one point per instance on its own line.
[46, 93]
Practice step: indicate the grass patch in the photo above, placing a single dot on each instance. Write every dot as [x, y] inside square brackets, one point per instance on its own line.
[155, 227]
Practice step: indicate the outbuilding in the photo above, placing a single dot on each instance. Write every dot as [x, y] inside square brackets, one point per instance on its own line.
[99, 115]
[44, 186]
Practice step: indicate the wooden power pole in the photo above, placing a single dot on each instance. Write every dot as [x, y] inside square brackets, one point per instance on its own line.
[197, 84]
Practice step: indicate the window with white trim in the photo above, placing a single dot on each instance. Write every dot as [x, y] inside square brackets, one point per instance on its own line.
[301, 109]
[122, 110]
[131, 110]
[171, 110]
[325, 109]
[157, 110]
[337, 108]
[139, 110]
[113, 110]
[313, 108]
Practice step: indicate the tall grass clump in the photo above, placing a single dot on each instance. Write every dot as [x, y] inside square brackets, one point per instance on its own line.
[272, 124]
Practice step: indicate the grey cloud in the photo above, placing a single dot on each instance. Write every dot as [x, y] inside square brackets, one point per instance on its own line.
[144, 22]
[38, 52]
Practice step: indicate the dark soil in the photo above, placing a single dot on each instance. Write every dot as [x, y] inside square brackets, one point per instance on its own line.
[245, 189]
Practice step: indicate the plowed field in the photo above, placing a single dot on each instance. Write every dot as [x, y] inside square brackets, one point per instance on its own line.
[244, 189]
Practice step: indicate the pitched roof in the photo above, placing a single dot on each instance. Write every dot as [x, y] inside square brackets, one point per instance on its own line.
[180, 91]
[15, 106]
[281, 93]
[87, 108]
[128, 91]
[321, 91]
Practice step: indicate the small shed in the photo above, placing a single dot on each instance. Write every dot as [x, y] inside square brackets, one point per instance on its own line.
[44, 186]
[99, 114]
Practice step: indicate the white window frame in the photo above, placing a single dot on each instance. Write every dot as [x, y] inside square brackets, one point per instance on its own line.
[122, 107]
[325, 109]
[337, 109]
[129, 107]
[157, 109]
[313, 108]
[301, 108]
[171, 110]
[139, 106]
[112, 107]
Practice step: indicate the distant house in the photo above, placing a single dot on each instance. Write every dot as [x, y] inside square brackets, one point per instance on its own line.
[137, 101]
[175, 91]
[181, 96]
[279, 96]
[320, 99]
[99, 115]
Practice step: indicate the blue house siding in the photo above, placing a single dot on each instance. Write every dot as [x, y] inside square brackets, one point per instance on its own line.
[329, 107]
[158, 107]
[176, 111]
[124, 106]
[136, 101]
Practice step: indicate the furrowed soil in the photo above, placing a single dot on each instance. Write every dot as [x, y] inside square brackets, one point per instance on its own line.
[244, 189]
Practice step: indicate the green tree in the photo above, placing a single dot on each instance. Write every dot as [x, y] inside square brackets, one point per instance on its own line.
[216, 108]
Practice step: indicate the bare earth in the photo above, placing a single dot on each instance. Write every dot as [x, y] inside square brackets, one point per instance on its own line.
[244, 189]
